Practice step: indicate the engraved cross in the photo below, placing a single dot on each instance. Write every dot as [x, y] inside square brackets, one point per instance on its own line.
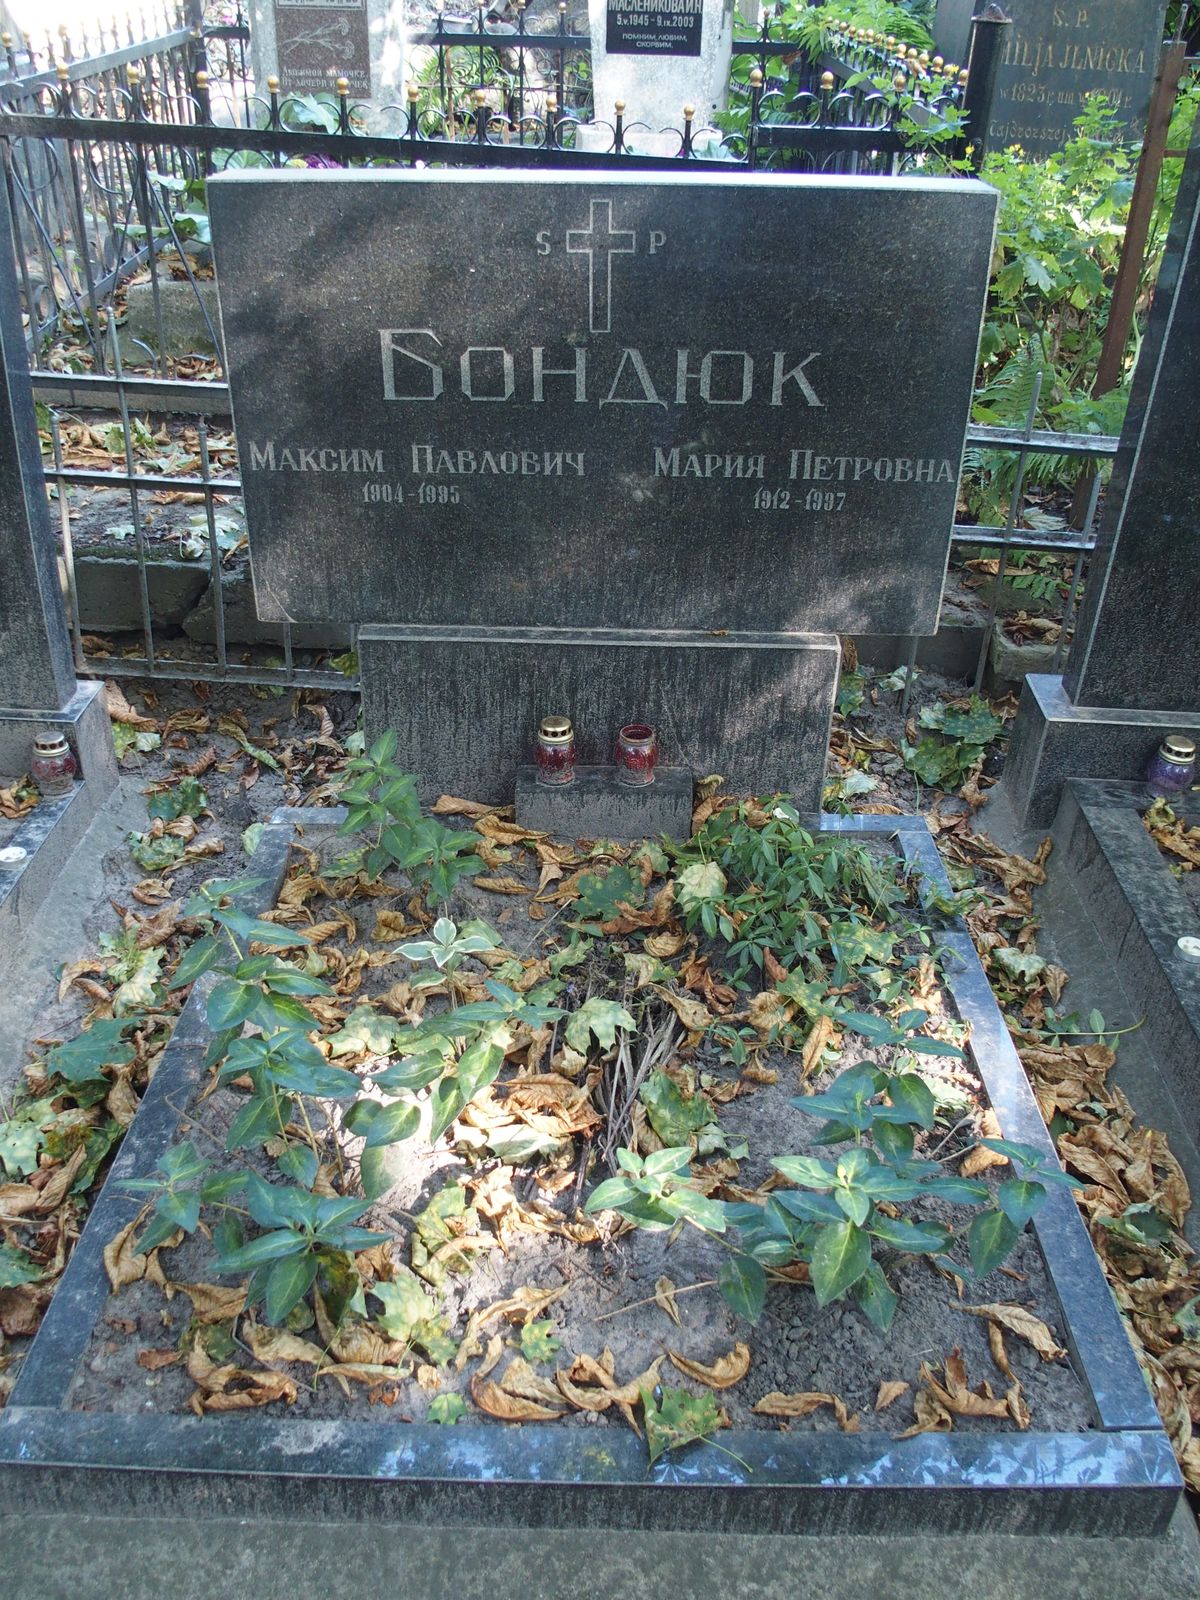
[601, 242]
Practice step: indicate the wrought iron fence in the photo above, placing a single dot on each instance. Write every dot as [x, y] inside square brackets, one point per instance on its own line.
[105, 158]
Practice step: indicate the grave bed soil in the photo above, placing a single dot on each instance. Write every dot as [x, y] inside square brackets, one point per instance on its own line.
[795, 1347]
[1119, 1477]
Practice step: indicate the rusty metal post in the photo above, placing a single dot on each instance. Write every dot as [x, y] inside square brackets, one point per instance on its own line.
[1133, 248]
[983, 66]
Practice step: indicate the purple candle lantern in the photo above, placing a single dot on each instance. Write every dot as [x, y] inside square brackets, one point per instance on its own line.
[1172, 767]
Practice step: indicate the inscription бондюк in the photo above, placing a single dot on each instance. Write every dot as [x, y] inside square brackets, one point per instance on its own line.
[676, 400]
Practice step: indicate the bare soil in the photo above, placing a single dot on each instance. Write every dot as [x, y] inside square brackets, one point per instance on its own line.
[795, 1347]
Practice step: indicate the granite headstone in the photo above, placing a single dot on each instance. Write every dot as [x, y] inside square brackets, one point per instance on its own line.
[38, 688]
[601, 401]
[952, 28]
[655, 57]
[1133, 673]
[1057, 52]
[309, 44]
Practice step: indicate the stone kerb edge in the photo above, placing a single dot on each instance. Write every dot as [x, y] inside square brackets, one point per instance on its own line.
[1104, 819]
[1122, 1479]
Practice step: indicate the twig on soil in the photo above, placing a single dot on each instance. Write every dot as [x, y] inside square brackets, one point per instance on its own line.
[634, 1305]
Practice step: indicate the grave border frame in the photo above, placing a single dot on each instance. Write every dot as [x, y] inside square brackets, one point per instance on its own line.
[1138, 909]
[1118, 1479]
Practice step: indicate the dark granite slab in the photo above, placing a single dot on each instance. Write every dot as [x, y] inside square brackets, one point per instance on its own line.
[952, 28]
[35, 654]
[597, 806]
[1137, 642]
[1139, 912]
[1119, 1479]
[466, 702]
[1053, 740]
[607, 401]
[1056, 54]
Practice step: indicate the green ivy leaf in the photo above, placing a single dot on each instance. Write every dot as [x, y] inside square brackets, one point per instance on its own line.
[990, 1238]
[598, 1018]
[677, 1419]
[673, 1116]
[17, 1267]
[447, 1408]
[538, 1342]
[840, 1256]
[743, 1283]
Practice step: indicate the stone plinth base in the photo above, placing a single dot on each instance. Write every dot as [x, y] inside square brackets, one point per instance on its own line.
[51, 832]
[1053, 740]
[596, 806]
[465, 702]
[1139, 912]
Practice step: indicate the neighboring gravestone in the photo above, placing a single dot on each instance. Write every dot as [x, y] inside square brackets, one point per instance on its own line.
[657, 56]
[1056, 54]
[38, 690]
[952, 28]
[309, 44]
[686, 418]
[1133, 673]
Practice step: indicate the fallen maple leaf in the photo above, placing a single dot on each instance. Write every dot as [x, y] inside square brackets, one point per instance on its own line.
[1024, 1324]
[724, 1372]
[889, 1392]
[776, 1404]
[495, 1402]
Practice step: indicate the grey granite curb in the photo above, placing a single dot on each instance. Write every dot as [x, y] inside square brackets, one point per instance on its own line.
[1120, 1478]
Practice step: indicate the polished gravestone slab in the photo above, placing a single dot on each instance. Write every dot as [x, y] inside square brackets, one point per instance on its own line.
[1056, 54]
[1118, 1479]
[754, 707]
[1133, 673]
[602, 401]
[1140, 913]
[596, 805]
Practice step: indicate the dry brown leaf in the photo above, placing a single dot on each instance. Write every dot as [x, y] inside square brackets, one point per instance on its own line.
[664, 1297]
[502, 885]
[499, 832]
[120, 710]
[495, 1402]
[74, 971]
[1024, 1324]
[691, 1013]
[723, 1373]
[253, 1389]
[997, 1348]
[521, 1380]
[392, 925]
[794, 1406]
[820, 1035]
[277, 1344]
[122, 1263]
[665, 945]
[121, 1101]
[953, 1390]
[154, 1360]
[213, 1302]
[932, 1416]
[889, 1392]
[450, 805]
[776, 972]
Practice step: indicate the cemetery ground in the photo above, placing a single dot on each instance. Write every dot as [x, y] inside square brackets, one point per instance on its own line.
[490, 1284]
